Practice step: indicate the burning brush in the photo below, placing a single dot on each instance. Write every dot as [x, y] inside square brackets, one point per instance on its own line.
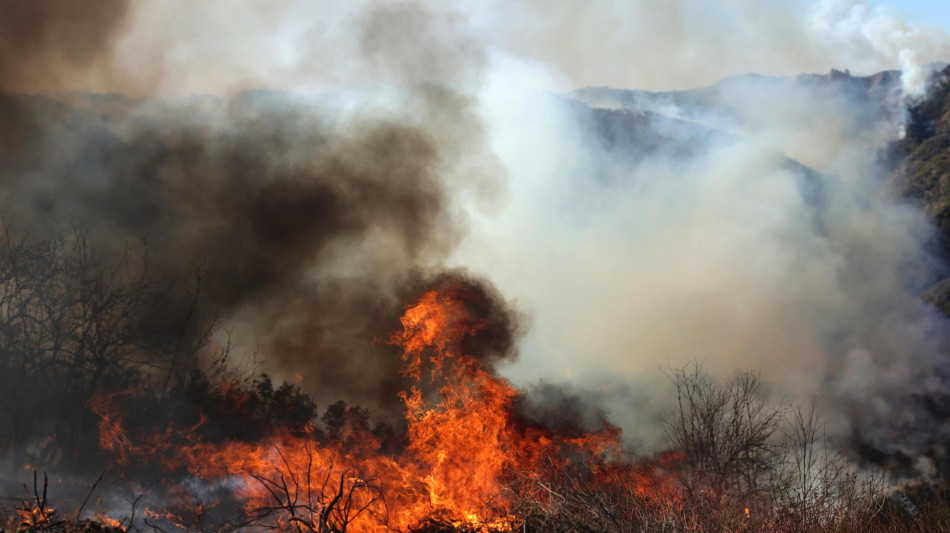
[465, 447]
[36, 516]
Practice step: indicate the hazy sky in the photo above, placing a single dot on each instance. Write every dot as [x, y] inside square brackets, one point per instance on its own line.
[218, 46]
[680, 44]
[935, 12]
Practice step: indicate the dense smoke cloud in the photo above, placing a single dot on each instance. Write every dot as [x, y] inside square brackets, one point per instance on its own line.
[299, 224]
[716, 248]
[314, 207]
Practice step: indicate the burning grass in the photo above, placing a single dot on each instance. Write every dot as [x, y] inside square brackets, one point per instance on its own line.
[195, 451]
[463, 449]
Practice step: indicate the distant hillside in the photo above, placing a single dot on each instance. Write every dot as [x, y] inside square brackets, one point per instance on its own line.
[731, 96]
[633, 136]
[920, 162]
[636, 134]
[835, 123]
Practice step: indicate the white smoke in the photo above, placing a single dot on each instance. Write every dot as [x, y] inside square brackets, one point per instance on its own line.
[729, 255]
[865, 38]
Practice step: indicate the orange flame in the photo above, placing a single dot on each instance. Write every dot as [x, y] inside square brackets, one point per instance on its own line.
[35, 516]
[463, 443]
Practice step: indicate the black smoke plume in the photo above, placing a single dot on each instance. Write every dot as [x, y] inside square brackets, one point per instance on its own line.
[265, 231]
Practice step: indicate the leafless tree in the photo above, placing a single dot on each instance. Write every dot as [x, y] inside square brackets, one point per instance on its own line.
[75, 320]
[726, 431]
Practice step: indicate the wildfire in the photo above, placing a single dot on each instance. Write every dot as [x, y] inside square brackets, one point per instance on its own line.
[465, 443]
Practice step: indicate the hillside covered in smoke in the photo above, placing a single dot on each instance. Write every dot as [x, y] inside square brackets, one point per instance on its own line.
[386, 266]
